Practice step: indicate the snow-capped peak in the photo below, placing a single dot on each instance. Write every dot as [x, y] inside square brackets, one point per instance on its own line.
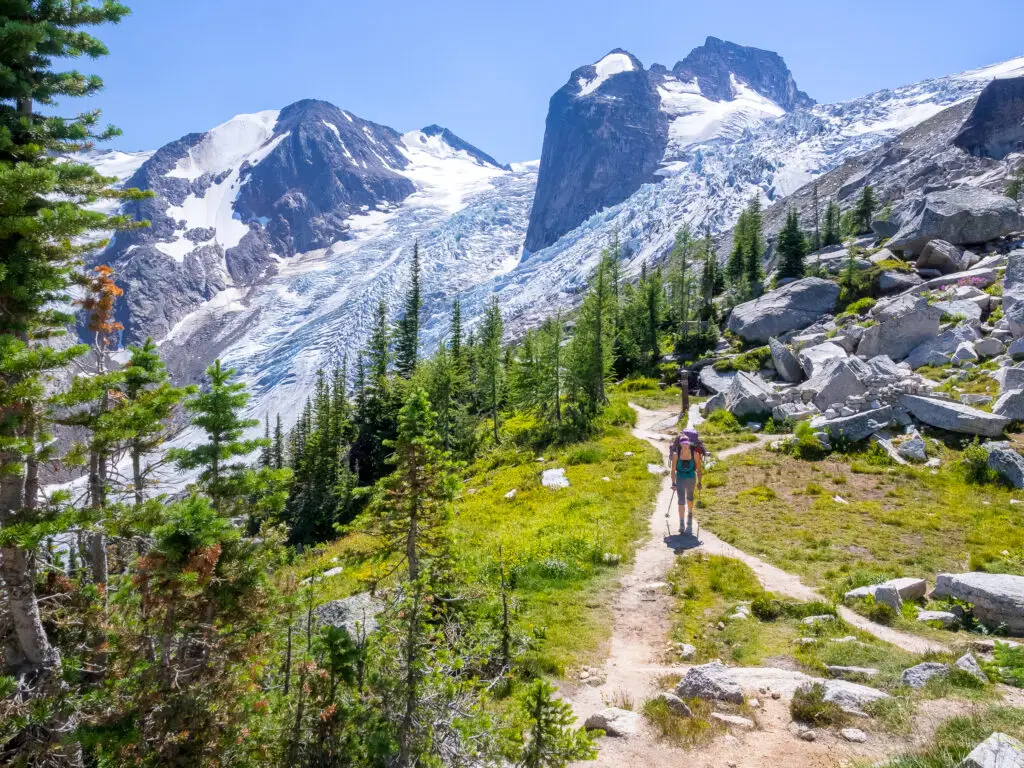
[615, 63]
[227, 146]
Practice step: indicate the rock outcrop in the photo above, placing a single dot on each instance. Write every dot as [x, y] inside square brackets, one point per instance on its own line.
[793, 306]
[997, 598]
[995, 127]
[955, 417]
[962, 216]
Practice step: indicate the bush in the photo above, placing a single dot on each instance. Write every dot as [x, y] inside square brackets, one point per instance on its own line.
[974, 465]
[809, 706]
[521, 429]
[765, 608]
[639, 384]
[722, 421]
[585, 454]
[880, 613]
[860, 306]
[804, 444]
[750, 362]
[620, 414]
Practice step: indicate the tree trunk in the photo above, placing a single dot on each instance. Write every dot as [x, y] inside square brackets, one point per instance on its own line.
[137, 480]
[405, 728]
[96, 540]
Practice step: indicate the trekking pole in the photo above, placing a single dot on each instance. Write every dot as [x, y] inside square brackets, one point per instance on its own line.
[670, 499]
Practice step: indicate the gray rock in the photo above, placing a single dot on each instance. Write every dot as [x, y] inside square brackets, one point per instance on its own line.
[1010, 378]
[982, 277]
[796, 305]
[967, 663]
[995, 127]
[997, 751]
[954, 417]
[997, 598]
[793, 412]
[989, 347]
[919, 675]
[734, 720]
[851, 673]
[748, 395]
[913, 449]
[1013, 293]
[713, 682]
[900, 330]
[615, 722]
[886, 594]
[907, 587]
[1010, 404]
[823, 618]
[854, 735]
[813, 359]
[785, 361]
[940, 255]
[713, 381]
[834, 382]
[962, 216]
[1009, 464]
[357, 614]
[675, 705]
[554, 478]
[964, 354]
[1016, 348]
[945, 618]
[940, 350]
[858, 427]
[893, 281]
[851, 697]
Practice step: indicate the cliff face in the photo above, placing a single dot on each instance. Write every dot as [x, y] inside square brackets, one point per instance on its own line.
[995, 127]
[613, 125]
[605, 135]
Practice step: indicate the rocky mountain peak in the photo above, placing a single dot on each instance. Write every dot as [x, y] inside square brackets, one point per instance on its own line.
[592, 78]
[718, 64]
[458, 144]
[995, 127]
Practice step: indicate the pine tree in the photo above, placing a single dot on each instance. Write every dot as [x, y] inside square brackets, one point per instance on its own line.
[550, 740]
[491, 374]
[816, 240]
[409, 519]
[407, 345]
[682, 259]
[46, 229]
[455, 334]
[734, 268]
[278, 448]
[753, 249]
[865, 208]
[833, 227]
[590, 353]
[150, 400]
[549, 340]
[218, 412]
[792, 247]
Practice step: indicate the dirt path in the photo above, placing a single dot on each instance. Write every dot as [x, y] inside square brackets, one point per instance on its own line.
[639, 646]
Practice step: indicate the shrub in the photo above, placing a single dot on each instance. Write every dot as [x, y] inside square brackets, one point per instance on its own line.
[765, 608]
[722, 421]
[880, 613]
[974, 465]
[861, 306]
[620, 414]
[521, 428]
[585, 454]
[809, 706]
[639, 384]
[804, 444]
[751, 361]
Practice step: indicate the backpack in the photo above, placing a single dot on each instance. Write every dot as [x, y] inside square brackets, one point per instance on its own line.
[686, 466]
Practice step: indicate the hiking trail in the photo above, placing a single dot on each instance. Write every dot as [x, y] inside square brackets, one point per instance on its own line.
[639, 648]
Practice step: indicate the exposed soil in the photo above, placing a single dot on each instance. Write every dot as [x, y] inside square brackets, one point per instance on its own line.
[639, 651]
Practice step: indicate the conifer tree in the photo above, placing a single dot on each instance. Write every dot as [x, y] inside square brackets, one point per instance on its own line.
[590, 354]
[150, 401]
[753, 248]
[45, 231]
[682, 260]
[377, 404]
[455, 334]
[792, 247]
[218, 411]
[551, 741]
[865, 208]
[491, 373]
[816, 238]
[278, 448]
[549, 353]
[735, 266]
[833, 228]
[407, 343]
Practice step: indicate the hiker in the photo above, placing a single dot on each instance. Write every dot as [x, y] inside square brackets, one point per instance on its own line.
[686, 458]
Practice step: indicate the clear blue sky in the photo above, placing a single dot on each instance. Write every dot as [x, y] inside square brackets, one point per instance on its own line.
[486, 68]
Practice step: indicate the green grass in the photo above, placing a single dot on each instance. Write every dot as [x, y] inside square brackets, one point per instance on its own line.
[956, 737]
[898, 521]
[680, 731]
[553, 541]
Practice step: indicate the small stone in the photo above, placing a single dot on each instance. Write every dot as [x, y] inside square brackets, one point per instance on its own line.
[721, 626]
[584, 675]
[776, 695]
[812, 620]
[675, 705]
[511, 494]
[615, 722]
[997, 751]
[736, 720]
[967, 663]
[686, 651]
[808, 735]
[856, 735]
[919, 675]
[754, 703]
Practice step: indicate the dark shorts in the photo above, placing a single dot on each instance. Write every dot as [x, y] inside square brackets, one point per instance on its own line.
[685, 487]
